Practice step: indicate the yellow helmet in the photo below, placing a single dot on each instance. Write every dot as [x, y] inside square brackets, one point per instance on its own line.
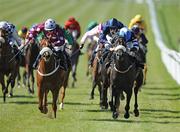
[138, 17]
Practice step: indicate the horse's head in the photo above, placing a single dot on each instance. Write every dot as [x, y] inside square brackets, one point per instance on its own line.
[119, 51]
[46, 53]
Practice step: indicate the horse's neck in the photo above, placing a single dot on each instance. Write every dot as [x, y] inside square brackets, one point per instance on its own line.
[49, 65]
[122, 64]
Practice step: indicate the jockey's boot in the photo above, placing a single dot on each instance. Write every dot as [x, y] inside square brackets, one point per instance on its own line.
[35, 64]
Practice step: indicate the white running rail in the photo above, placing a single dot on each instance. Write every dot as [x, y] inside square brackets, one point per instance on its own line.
[170, 58]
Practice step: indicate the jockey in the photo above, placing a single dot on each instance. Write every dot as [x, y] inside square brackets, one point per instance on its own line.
[22, 33]
[110, 29]
[56, 35]
[93, 35]
[93, 31]
[139, 35]
[73, 26]
[13, 39]
[138, 20]
[132, 44]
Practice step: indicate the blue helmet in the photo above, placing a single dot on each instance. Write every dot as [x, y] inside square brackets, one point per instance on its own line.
[112, 23]
[125, 33]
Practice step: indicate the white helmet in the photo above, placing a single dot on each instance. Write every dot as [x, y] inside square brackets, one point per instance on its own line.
[3, 25]
[50, 24]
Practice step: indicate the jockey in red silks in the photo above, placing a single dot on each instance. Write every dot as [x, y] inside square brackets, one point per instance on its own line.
[73, 26]
[56, 36]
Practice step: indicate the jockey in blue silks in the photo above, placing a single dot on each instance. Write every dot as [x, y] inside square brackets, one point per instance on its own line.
[132, 44]
[109, 28]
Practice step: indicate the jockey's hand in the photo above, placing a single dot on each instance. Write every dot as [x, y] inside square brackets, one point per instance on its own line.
[111, 49]
[81, 46]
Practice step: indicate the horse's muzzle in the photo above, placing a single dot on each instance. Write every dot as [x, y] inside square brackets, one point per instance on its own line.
[46, 56]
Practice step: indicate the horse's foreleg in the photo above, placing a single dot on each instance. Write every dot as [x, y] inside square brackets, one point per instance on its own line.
[136, 111]
[74, 74]
[127, 107]
[55, 97]
[45, 109]
[116, 103]
[28, 82]
[32, 80]
[62, 96]
[40, 97]
[93, 88]
[145, 74]
[104, 104]
[24, 78]
[18, 79]
[4, 90]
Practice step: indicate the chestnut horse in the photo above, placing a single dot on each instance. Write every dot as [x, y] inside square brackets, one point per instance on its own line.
[50, 76]
[7, 68]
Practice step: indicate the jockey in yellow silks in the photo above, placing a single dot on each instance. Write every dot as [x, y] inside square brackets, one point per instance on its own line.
[138, 20]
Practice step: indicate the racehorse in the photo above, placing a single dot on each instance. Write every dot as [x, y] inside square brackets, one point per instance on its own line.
[90, 48]
[31, 53]
[8, 66]
[123, 76]
[50, 76]
[96, 74]
[74, 53]
[143, 52]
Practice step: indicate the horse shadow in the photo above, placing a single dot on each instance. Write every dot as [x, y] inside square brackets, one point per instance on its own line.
[133, 121]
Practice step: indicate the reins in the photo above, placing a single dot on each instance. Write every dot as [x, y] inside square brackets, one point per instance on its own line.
[50, 73]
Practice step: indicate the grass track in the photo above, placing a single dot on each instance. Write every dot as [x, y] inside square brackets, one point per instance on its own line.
[159, 100]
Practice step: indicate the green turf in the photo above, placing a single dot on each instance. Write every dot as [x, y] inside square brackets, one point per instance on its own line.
[159, 100]
[168, 12]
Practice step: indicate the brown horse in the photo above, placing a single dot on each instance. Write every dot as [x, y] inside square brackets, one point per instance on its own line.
[7, 68]
[96, 73]
[90, 48]
[30, 57]
[49, 77]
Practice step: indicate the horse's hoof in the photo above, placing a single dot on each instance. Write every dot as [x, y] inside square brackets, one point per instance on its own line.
[91, 98]
[61, 106]
[41, 109]
[136, 113]
[115, 115]
[126, 115]
[10, 95]
[45, 110]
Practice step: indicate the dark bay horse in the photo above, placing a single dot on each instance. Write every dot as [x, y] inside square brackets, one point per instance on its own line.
[7, 68]
[50, 77]
[123, 76]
